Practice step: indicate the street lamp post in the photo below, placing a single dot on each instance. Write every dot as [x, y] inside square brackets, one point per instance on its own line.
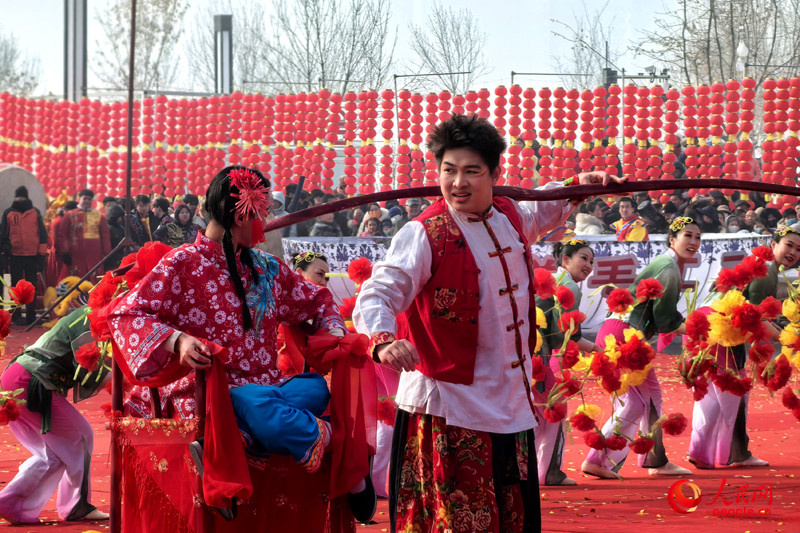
[741, 55]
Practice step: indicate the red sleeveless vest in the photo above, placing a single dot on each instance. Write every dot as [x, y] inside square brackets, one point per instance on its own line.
[442, 321]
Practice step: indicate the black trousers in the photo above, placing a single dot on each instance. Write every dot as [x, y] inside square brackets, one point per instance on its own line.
[24, 267]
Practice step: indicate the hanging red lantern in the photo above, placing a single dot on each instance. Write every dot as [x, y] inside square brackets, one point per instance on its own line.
[703, 130]
[349, 137]
[559, 135]
[431, 108]
[612, 129]
[629, 132]
[387, 125]
[570, 135]
[768, 155]
[483, 103]
[585, 156]
[690, 131]
[671, 118]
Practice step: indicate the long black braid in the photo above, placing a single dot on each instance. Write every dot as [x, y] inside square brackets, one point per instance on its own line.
[221, 207]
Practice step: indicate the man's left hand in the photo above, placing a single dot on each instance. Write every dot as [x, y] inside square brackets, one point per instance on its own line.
[593, 178]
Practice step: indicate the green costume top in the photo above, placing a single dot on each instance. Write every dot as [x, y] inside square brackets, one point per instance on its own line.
[759, 289]
[552, 336]
[659, 315]
[51, 363]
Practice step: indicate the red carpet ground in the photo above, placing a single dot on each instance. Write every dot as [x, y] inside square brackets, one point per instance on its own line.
[636, 501]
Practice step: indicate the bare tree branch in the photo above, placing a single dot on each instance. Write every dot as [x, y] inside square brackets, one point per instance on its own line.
[18, 74]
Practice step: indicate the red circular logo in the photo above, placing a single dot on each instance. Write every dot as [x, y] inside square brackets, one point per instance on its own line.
[679, 501]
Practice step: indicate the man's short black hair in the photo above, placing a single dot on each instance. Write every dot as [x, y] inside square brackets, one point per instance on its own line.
[161, 203]
[142, 199]
[629, 200]
[109, 200]
[86, 192]
[190, 199]
[462, 131]
[317, 192]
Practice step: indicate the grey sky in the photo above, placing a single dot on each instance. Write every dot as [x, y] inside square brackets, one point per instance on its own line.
[519, 35]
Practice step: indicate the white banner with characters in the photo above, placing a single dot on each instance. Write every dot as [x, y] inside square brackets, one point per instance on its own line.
[615, 262]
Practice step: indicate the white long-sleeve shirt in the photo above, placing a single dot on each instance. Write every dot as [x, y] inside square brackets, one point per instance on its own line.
[496, 400]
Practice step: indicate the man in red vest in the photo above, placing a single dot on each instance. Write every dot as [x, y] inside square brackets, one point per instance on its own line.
[23, 246]
[458, 280]
[84, 236]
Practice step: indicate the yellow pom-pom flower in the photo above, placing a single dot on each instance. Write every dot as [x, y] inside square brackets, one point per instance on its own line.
[723, 332]
[728, 303]
[791, 310]
[590, 410]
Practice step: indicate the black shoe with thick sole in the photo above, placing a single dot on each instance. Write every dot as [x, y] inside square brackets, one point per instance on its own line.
[196, 451]
[363, 504]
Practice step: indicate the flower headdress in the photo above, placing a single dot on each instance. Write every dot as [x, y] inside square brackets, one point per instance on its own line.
[307, 257]
[680, 223]
[577, 242]
[253, 196]
[782, 232]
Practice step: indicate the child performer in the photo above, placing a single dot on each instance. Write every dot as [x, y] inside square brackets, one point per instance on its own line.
[719, 420]
[641, 405]
[575, 259]
[57, 435]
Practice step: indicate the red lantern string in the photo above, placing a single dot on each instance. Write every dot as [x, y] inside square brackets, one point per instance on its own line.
[545, 161]
[768, 155]
[703, 131]
[458, 104]
[331, 137]
[514, 130]
[629, 131]
[571, 136]
[786, 168]
[612, 129]
[793, 116]
[350, 125]
[320, 121]
[431, 109]
[307, 113]
[403, 135]
[416, 139]
[500, 112]
[731, 129]
[559, 135]
[654, 150]
[471, 102]
[744, 155]
[690, 131]
[367, 134]
[171, 147]
[598, 112]
[671, 118]
[313, 155]
[717, 109]
[77, 180]
[483, 103]
[387, 132]
[444, 106]
[297, 109]
[642, 133]
[585, 155]
[528, 163]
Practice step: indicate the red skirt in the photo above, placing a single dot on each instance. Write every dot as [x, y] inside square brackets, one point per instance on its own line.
[450, 478]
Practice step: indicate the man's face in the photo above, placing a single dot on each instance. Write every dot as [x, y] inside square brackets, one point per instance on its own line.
[85, 202]
[318, 200]
[142, 209]
[750, 218]
[414, 210]
[626, 210]
[192, 208]
[466, 181]
[157, 211]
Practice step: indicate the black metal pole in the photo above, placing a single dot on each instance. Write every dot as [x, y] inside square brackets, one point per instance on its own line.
[115, 522]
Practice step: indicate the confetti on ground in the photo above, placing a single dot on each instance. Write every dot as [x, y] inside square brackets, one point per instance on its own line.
[636, 501]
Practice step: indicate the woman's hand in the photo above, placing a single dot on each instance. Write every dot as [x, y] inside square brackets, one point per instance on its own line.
[191, 352]
[400, 355]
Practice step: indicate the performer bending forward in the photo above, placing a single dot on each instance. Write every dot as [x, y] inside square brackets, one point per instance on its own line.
[461, 272]
[641, 405]
[719, 420]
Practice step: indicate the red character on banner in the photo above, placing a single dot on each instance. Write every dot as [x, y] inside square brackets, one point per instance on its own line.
[547, 262]
[619, 270]
[694, 262]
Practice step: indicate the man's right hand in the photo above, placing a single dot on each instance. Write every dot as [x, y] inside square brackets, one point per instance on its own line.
[191, 352]
[400, 355]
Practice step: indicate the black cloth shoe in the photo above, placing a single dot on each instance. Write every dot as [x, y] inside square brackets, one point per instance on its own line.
[196, 451]
[363, 504]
